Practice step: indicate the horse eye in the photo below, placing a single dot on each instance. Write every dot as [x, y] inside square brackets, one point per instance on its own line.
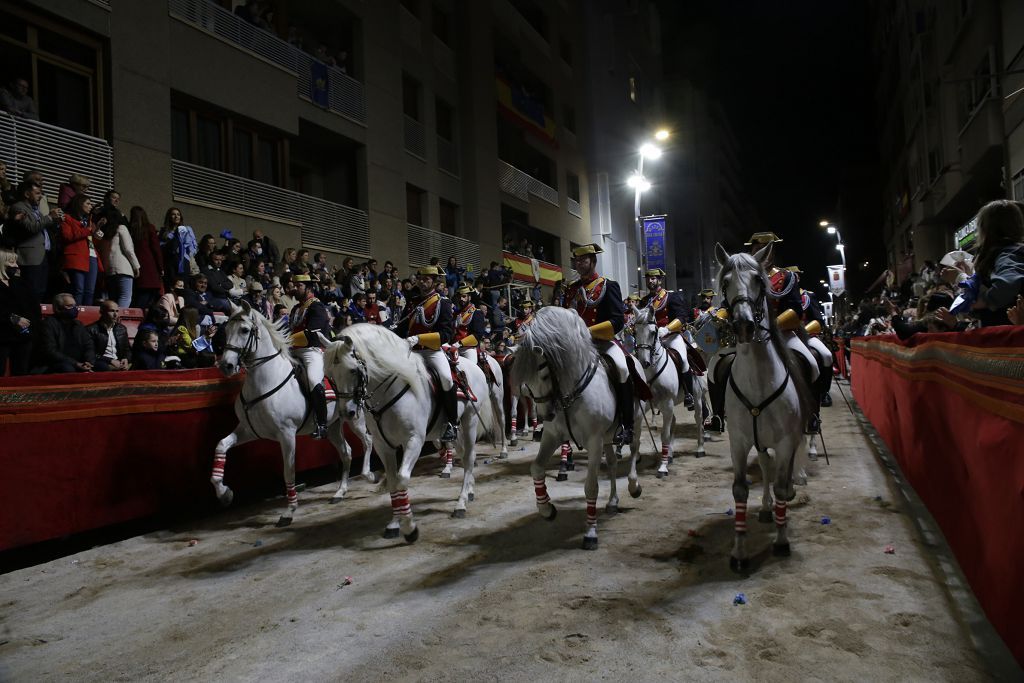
[244, 330]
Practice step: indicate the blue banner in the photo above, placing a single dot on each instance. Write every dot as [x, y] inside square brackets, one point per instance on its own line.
[318, 92]
[654, 236]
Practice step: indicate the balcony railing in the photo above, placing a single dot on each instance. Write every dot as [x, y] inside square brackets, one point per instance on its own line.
[521, 184]
[56, 153]
[345, 94]
[425, 244]
[415, 138]
[323, 224]
[574, 207]
[447, 156]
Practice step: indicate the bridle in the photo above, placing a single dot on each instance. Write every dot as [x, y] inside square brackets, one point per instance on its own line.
[758, 308]
[565, 401]
[247, 352]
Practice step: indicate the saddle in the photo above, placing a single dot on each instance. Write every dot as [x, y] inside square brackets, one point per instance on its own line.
[481, 360]
[462, 390]
[697, 364]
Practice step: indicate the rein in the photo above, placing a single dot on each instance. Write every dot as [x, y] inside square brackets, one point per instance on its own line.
[756, 411]
[566, 401]
[758, 308]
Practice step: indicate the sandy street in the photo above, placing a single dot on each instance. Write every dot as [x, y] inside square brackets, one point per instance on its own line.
[505, 595]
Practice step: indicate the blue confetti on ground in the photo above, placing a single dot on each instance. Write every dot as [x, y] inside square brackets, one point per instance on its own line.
[826, 520]
[740, 599]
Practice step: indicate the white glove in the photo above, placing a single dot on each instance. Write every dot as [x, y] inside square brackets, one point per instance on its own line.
[412, 341]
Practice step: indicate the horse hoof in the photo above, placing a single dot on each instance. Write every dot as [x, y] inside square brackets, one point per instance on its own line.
[472, 497]
[637, 492]
[371, 477]
[413, 537]
[611, 509]
[459, 514]
[570, 466]
[226, 499]
[445, 475]
[554, 513]
[590, 542]
[562, 476]
[513, 442]
[699, 453]
[335, 499]
[503, 455]
[764, 516]
[283, 522]
[391, 532]
[780, 550]
[739, 565]
[661, 475]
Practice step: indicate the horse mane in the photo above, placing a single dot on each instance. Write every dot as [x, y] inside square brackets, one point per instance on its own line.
[387, 355]
[563, 337]
[778, 342]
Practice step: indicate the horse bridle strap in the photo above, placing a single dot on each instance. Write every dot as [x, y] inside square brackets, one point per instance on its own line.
[565, 402]
[756, 411]
[757, 307]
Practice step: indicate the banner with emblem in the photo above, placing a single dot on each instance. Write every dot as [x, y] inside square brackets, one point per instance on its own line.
[654, 238]
[836, 280]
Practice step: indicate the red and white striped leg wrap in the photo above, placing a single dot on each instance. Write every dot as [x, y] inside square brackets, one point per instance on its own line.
[218, 466]
[293, 497]
[533, 423]
[741, 517]
[513, 424]
[780, 513]
[566, 451]
[664, 454]
[540, 489]
[400, 503]
[591, 511]
[449, 455]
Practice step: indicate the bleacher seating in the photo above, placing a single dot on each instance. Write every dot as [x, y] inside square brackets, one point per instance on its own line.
[131, 318]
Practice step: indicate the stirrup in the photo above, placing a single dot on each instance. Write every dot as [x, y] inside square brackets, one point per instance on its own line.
[451, 432]
[624, 436]
[319, 432]
[826, 400]
[688, 401]
[715, 424]
[813, 425]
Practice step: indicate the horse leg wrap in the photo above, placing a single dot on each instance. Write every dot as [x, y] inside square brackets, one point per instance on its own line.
[540, 489]
[780, 513]
[513, 425]
[741, 517]
[219, 459]
[449, 456]
[664, 454]
[592, 512]
[565, 452]
[293, 497]
[400, 505]
[533, 423]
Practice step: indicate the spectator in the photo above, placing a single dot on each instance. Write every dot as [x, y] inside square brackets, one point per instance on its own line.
[453, 274]
[287, 260]
[233, 254]
[357, 283]
[372, 276]
[158, 320]
[495, 278]
[30, 234]
[255, 297]
[499, 318]
[477, 295]
[81, 260]
[17, 102]
[150, 257]
[193, 346]
[199, 296]
[237, 276]
[173, 301]
[357, 309]
[372, 310]
[147, 352]
[76, 184]
[280, 317]
[109, 339]
[179, 245]
[320, 263]
[267, 248]
[999, 260]
[121, 263]
[220, 285]
[111, 209]
[8, 195]
[19, 316]
[258, 273]
[65, 346]
[207, 245]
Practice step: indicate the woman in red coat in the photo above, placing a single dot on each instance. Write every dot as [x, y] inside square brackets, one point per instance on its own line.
[81, 261]
[151, 259]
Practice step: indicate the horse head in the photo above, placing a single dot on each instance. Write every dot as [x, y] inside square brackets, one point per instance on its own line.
[241, 339]
[346, 371]
[744, 286]
[645, 332]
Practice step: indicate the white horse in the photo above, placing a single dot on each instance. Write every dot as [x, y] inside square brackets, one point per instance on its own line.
[558, 363]
[766, 400]
[272, 405]
[531, 417]
[496, 395]
[372, 367]
[663, 379]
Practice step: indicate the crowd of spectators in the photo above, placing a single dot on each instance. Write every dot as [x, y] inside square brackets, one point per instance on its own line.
[259, 13]
[76, 252]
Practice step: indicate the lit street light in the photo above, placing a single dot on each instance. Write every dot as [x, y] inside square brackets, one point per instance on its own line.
[640, 184]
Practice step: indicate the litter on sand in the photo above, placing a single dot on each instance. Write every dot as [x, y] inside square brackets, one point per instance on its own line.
[826, 520]
[347, 581]
[193, 542]
[740, 599]
[890, 549]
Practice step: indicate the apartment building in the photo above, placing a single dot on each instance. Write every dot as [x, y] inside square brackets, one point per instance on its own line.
[949, 119]
[442, 127]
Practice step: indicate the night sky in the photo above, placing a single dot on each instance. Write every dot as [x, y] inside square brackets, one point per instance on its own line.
[794, 77]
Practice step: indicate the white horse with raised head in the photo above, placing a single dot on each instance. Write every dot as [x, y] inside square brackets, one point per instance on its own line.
[558, 363]
[663, 379]
[767, 399]
[373, 368]
[272, 405]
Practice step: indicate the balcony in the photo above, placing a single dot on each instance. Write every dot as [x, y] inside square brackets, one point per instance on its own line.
[345, 95]
[521, 184]
[56, 152]
[415, 138]
[447, 156]
[425, 244]
[574, 208]
[323, 224]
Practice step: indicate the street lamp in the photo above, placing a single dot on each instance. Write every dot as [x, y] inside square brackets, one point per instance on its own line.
[640, 184]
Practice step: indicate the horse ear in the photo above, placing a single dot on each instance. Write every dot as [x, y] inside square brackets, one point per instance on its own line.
[721, 255]
[539, 351]
[764, 255]
[235, 309]
[324, 340]
[245, 306]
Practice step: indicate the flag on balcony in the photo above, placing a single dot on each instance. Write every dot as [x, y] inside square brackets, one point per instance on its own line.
[519, 107]
[319, 90]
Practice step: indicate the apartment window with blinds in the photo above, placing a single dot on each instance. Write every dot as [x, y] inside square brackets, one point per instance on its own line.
[449, 217]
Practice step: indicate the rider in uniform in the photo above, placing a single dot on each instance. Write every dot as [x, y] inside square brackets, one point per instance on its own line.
[670, 311]
[814, 322]
[470, 325]
[598, 301]
[427, 323]
[525, 316]
[707, 296]
[308, 317]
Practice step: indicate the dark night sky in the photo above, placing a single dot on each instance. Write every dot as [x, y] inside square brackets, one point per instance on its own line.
[794, 77]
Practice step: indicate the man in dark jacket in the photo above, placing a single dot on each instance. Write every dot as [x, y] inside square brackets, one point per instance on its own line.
[199, 297]
[31, 232]
[109, 339]
[65, 346]
[220, 284]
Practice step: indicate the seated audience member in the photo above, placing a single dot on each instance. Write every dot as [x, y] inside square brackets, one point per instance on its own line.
[192, 345]
[280, 315]
[174, 300]
[357, 309]
[16, 101]
[199, 296]
[220, 285]
[255, 297]
[19, 316]
[159, 320]
[147, 352]
[372, 311]
[109, 339]
[65, 346]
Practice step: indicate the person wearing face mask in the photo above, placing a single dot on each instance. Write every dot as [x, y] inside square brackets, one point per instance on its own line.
[65, 346]
[267, 247]
[19, 316]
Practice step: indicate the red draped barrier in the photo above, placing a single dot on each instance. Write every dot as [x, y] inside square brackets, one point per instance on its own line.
[950, 407]
[85, 451]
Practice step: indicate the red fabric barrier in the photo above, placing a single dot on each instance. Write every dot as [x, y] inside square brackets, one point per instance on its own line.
[85, 451]
[950, 407]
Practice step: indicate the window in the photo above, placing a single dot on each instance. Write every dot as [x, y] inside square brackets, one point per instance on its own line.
[445, 120]
[242, 151]
[442, 25]
[449, 217]
[572, 185]
[267, 163]
[208, 143]
[1018, 185]
[934, 163]
[180, 134]
[410, 97]
[415, 198]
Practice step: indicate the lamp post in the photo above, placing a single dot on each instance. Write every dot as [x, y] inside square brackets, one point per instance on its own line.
[640, 184]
